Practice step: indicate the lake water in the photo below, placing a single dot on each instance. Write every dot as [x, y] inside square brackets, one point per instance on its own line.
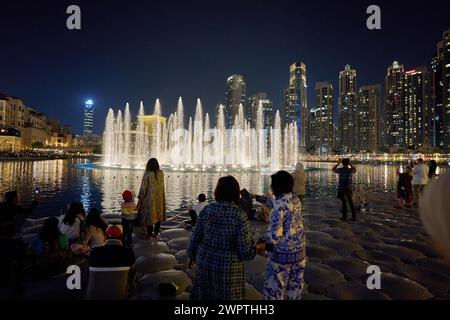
[63, 181]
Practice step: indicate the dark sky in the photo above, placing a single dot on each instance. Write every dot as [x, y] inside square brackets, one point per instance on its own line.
[129, 51]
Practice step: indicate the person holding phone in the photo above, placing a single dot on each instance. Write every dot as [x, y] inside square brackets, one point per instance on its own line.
[11, 211]
[345, 173]
[284, 241]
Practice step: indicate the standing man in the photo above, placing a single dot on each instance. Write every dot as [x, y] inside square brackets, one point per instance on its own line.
[419, 180]
[345, 187]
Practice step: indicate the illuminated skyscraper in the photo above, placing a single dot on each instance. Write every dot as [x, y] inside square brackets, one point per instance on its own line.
[394, 106]
[88, 122]
[295, 101]
[235, 95]
[369, 118]
[440, 82]
[417, 108]
[347, 104]
[321, 119]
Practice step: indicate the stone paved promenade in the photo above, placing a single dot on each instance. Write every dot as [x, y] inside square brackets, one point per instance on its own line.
[338, 255]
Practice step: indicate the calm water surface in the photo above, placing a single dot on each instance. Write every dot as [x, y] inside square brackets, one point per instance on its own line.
[62, 181]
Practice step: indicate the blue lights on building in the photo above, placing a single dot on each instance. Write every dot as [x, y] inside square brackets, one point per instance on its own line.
[88, 122]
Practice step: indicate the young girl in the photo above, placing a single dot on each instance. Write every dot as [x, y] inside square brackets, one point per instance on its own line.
[128, 208]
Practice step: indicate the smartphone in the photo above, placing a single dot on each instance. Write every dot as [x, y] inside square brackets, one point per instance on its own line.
[37, 191]
[246, 195]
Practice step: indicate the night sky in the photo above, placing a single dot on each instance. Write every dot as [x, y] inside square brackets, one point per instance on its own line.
[128, 51]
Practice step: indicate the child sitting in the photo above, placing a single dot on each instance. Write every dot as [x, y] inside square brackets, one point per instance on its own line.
[128, 215]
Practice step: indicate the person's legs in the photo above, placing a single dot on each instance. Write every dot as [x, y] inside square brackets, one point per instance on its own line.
[295, 284]
[416, 188]
[341, 196]
[348, 195]
[193, 215]
[150, 231]
[420, 188]
[157, 228]
[277, 276]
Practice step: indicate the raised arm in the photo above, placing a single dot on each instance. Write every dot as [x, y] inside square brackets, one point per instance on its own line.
[264, 200]
[336, 166]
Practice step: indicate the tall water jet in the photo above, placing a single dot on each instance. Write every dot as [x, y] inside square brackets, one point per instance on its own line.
[198, 134]
[126, 136]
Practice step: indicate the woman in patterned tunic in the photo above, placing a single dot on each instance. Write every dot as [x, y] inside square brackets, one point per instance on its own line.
[152, 199]
[285, 239]
[220, 242]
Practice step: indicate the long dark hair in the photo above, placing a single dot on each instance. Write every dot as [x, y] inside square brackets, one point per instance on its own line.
[153, 166]
[50, 232]
[75, 208]
[227, 189]
[94, 219]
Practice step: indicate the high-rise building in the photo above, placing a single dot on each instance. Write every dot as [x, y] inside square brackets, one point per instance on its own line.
[440, 82]
[369, 118]
[347, 104]
[235, 96]
[295, 101]
[416, 108]
[253, 104]
[394, 106]
[88, 121]
[321, 135]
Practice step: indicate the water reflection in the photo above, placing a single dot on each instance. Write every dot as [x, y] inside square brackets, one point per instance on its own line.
[62, 181]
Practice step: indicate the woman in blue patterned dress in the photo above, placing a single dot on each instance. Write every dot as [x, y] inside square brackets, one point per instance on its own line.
[220, 242]
[285, 240]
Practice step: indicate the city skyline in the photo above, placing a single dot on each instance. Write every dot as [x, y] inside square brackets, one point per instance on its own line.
[198, 61]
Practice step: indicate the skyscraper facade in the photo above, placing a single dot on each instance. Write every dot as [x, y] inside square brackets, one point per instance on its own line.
[440, 81]
[417, 120]
[321, 133]
[295, 101]
[347, 104]
[394, 106]
[235, 96]
[88, 121]
[369, 118]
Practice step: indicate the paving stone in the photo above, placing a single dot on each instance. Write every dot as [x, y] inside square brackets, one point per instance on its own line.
[258, 281]
[342, 246]
[148, 284]
[339, 233]
[352, 268]
[150, 247]
[320, 276]
[425, 248]
[175, 233]
[377, 257]
[354, 291]
[437, 265]
[171, 224]
[400, 288]
[155, 262]
[179, 243]
[318, 235]
[400, 252]
[319, 251]
[437, 283]
[182, 256]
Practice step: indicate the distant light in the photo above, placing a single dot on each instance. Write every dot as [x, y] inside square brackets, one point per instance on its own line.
[89, 102]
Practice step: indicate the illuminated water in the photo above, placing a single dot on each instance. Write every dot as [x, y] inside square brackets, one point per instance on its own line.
[62, 181]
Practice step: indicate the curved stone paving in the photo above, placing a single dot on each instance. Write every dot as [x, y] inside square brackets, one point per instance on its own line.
[338, 255]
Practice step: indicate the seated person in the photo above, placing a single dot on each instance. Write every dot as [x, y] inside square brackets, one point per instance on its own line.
[94, 236]
[128, 208]
[194, 210]
[72, 223]
[113, 254]
[50, 250]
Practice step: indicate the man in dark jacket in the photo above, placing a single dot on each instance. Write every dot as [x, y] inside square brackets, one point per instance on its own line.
[11, 212]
